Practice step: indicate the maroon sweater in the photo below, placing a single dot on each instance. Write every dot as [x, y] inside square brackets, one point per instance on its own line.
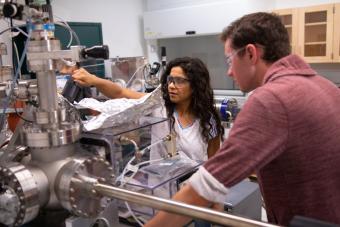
[288, 132]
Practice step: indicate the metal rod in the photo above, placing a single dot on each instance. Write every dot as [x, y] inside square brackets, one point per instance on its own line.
[177, 207]
[94, 65]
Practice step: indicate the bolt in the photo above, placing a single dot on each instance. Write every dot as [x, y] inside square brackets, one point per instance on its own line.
[72, 190]
[72, 199]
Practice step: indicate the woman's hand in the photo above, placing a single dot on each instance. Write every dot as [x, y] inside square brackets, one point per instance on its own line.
[68, 69]
[84, 78]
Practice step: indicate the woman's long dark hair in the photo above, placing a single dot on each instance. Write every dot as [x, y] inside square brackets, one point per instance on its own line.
[202, 98]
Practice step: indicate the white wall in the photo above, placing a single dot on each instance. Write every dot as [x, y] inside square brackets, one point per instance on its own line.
[121, 22]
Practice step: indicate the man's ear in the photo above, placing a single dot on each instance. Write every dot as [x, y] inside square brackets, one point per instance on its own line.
[252, 53]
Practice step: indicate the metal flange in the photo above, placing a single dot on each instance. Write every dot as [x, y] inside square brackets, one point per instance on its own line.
[67, 133]
[19, 197]
[78, 199]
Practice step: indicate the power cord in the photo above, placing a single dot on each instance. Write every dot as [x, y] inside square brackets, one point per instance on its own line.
[21, 117]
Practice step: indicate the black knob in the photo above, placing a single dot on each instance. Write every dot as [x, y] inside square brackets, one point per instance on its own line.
[98, 52]
[12, 10]
[9, 10]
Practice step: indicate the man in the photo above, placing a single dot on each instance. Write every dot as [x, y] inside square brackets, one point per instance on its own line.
[287, 132]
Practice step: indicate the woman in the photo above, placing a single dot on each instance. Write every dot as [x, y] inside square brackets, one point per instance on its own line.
[188, 100]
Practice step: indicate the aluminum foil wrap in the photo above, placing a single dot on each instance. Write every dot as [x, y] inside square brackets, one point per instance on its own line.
[118, 111]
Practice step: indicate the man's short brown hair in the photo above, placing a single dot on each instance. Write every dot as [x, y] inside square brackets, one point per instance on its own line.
[264, 29]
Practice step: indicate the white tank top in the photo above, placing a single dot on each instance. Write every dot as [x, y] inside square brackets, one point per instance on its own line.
[189, 140]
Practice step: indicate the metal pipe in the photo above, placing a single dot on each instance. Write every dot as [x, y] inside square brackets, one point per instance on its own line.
[177, 207]
[47, 87]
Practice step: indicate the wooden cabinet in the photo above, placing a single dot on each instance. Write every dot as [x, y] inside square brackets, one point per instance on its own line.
[289, 18]
[336, 28]
[314, 32]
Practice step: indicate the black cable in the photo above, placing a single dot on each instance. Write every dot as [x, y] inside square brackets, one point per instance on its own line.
[33, 103]
[19, 115]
